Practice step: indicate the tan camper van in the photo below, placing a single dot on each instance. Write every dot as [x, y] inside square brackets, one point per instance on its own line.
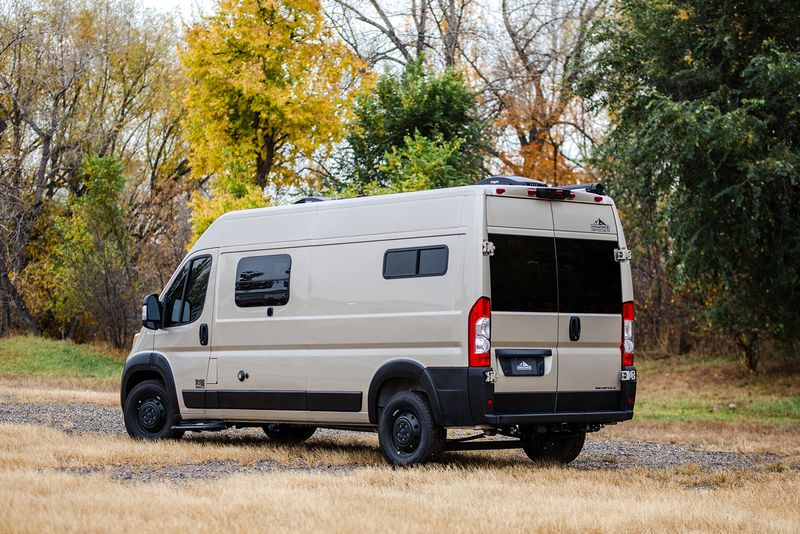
[504, 307]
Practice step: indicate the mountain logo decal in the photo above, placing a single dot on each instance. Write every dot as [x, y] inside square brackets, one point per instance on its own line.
[600, 226]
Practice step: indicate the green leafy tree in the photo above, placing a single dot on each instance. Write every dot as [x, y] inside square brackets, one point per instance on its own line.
[419, 124]
[704, 152]
[84, 277]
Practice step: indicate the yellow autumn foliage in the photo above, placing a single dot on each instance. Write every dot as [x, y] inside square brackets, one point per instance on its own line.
[268, 90]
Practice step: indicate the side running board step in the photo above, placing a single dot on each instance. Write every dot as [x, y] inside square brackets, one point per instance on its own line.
[201, 426]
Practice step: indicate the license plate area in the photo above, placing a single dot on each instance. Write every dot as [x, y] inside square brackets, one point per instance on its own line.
[522, 362]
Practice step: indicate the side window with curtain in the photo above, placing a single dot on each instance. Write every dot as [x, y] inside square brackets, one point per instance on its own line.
[185, 299]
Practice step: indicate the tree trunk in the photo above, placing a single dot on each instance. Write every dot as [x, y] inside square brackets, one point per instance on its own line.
[8, 291]
[264, 160]
[73, 330]
[748, 343]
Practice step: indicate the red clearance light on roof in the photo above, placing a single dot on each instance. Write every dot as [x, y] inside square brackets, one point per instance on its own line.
[479, 327]
[531, 192]
[500, 190]
[626, 346]
[598, 198]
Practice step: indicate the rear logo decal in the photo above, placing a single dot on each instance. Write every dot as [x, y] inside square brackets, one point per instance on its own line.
[523, 366]
[600, 226]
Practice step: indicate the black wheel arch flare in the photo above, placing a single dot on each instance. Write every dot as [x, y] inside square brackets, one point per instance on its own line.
[145, 366]
[407, 370]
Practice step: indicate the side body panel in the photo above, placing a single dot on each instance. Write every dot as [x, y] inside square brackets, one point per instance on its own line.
[313, 360]
[269, 350]
[360, 320]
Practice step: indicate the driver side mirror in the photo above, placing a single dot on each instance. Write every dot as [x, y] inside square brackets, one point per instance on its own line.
[151, 312]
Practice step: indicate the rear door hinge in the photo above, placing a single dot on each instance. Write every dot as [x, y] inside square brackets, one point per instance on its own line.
[488, 248]
[622, 254]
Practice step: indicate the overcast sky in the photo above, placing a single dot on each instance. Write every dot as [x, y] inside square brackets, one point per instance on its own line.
[187, 9]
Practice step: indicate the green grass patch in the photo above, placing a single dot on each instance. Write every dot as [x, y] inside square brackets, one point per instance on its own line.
[697, 388]
[780, 412]
[37, 356]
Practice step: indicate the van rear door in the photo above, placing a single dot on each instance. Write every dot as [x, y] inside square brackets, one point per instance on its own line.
[590, 307]
[524, 304]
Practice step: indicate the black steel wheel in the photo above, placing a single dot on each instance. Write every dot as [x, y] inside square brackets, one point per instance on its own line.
[284, 433]
[407, 431]
[556, 448]
[149, 413]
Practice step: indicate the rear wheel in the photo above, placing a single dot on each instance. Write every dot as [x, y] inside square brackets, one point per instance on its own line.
[283, 433]
[556, 449]
[407, 431]
[149, 413]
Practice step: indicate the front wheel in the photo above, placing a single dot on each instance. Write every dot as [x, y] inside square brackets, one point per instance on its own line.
[556, 449]
[407, 432]
[149, 413]
[283, 433]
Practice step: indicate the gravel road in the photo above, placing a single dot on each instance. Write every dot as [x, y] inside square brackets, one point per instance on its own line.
[87, 418]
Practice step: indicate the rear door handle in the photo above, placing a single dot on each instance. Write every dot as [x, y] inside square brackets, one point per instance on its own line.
[574, 328]
[204, 334]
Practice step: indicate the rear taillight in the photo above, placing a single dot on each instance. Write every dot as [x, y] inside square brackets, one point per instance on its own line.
[480, 320]
[627, 334]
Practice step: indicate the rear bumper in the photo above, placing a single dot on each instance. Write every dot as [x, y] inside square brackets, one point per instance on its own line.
[559, 417]
[466, 399]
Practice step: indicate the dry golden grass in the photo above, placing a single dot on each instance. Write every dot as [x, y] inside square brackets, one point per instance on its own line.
[432, 499]
[40, 447]
[55, 386]
[38, 390]
[476, 492]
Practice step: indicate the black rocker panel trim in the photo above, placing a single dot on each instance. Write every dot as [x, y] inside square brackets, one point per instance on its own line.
[334, 401]
[262, 400]
[322, 401]
[194, 398]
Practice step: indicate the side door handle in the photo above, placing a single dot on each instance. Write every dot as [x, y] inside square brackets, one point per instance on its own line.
[574, 328]
[204, 334]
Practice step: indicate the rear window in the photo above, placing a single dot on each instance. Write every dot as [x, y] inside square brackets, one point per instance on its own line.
[589, 278]
[542, 274]
[523, 273]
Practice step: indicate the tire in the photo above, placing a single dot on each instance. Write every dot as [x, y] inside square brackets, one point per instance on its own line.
[407, 433]
[554, 449]
[283, 433]
[149, 412]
